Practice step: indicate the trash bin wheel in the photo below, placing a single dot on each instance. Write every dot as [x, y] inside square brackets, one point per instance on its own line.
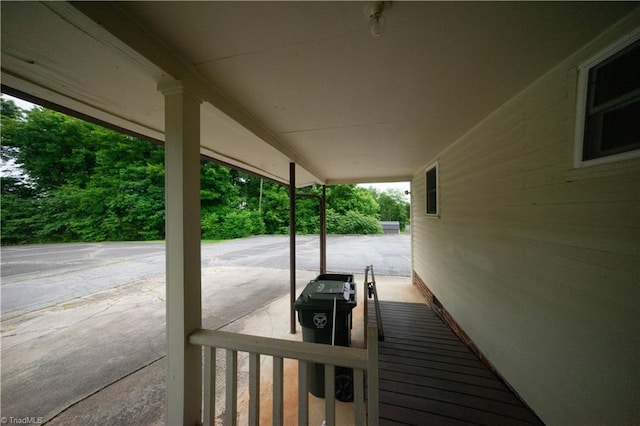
[344, 388]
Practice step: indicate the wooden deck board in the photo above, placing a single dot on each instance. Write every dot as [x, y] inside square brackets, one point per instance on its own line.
[503, 395]
[392, 415]
[477, 371]
[470, 362]
[432, 343]
[428, 376]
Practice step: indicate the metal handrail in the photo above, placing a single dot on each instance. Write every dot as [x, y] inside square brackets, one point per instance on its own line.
[373, 292]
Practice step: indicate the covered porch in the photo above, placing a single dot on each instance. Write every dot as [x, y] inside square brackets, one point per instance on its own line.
[425, 372]
[342, 92]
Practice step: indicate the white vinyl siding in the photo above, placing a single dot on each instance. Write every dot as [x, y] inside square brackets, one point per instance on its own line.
[538, 264]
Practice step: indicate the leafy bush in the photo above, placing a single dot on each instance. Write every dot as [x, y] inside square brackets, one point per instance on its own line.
[233, 224]
[352, 222]
[238, 224]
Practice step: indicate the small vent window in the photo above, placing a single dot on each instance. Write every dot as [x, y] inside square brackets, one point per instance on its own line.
[432, 190]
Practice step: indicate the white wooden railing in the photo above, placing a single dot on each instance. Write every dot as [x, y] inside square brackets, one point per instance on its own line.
[364, 362]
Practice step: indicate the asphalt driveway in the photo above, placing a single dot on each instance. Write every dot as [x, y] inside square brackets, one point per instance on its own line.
[83, 321]
[38, 276]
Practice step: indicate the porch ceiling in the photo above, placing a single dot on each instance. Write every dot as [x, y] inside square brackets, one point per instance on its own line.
[301, 81]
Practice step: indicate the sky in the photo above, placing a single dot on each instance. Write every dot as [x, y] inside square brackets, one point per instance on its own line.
[19, 102]
[402, 186]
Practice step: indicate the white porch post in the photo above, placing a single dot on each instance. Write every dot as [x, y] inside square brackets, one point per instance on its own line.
[182, 201]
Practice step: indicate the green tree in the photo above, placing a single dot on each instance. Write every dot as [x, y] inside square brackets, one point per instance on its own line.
[344, 198]
[393, 206]
[227, 204]
[16, 220]
[275, 208]
[84, 182]
[10, 111]
[217, 191]
[10, 117]
[52, 148]
[341, 200]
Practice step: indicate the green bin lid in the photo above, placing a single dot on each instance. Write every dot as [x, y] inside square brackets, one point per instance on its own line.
[322, 292]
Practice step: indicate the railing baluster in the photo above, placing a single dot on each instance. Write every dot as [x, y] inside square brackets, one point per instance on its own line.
[278, 391]
[330, 394]
[230, 416]
[362, 361]
[372, 376]
[254, 388]
[209, 379]
[303, 394]
[358, 396]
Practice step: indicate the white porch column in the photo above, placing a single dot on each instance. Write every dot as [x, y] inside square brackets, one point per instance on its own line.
[182, 204]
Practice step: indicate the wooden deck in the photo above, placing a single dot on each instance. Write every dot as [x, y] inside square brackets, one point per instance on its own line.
[428, 376]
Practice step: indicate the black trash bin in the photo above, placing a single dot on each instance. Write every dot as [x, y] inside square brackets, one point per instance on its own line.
[315, 308]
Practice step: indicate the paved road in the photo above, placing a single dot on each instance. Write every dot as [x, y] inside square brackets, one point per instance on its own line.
[82, 320]
[35, 277]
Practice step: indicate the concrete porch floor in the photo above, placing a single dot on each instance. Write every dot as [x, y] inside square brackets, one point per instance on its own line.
[429, 380]
[138, 398]
[273, 321]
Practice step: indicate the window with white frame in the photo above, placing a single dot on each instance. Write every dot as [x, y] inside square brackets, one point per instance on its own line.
[431, 176]
[608, 115]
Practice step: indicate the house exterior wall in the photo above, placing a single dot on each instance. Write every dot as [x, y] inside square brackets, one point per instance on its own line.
[538, 262]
